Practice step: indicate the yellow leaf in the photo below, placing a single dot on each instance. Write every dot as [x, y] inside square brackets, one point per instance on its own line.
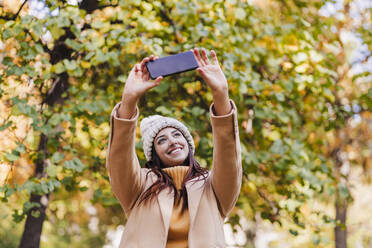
[274, 135]
[302, 68]
[287, 66]
[85, 64]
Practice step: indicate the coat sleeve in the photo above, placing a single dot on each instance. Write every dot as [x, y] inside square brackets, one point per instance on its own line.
[227, 166]
[122, 162]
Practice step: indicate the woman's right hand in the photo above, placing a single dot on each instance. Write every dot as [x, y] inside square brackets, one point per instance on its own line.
[138, 82]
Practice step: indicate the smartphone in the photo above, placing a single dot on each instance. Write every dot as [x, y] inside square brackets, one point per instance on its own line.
[173, 64]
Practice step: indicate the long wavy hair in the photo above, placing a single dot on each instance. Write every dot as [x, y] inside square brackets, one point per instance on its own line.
[164, 180]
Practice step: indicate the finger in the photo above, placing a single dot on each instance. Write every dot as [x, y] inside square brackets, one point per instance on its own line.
[201, 71]
[136, 67]
[144, 70]
[158, 79]
[198, 58]
[143, 63]
[214, 57]
[197, 61]
[205, 56]
[145, 75]
[155, 83]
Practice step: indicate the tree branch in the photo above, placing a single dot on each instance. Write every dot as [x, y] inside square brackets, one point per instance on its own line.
[271, 203]
[8, 18]
[20, 8]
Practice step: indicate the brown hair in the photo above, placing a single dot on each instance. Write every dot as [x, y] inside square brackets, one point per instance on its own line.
[165, 181]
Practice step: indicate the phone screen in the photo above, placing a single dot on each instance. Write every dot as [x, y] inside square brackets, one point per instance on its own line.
[173, 64]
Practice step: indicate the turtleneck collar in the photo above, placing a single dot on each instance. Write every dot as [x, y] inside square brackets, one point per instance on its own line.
[177, 173]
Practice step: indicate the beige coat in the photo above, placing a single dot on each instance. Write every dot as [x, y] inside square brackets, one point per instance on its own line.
[209, 203]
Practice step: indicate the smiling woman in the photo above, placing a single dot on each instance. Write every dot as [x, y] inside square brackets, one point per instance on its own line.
[173, 201]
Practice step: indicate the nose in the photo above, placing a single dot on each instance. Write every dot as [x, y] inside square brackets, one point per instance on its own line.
[172, 141]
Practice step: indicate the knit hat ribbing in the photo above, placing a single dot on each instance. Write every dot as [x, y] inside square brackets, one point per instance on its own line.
[152, 125]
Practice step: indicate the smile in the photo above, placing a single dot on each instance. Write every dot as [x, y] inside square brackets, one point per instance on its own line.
[175, 150]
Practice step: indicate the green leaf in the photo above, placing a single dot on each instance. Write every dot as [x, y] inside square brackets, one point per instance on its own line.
[52, 170]
[343, 190]
[27, 19]
[75, 165]
[197, 111]
[280, 97]
[18, 217]
[293, 232]
[38, 29]
[97, 24]
[35, 213]
[27, 206]
[316, 239]
[6, 34]
[56, 32]
[277, 147]
[57, 157]
[83, 189]
[70, 64]
[11, 157]
[8, 61]
[163, 110]
[162, 88]
[6, 125]
[240, 13]
[59, 67]
[73, 44]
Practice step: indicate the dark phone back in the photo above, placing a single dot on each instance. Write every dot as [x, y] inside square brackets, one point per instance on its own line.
[173, 64]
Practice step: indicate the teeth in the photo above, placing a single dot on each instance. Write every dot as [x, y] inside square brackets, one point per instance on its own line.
[177, 149]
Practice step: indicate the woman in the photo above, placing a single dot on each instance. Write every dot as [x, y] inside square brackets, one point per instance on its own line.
[173, 202]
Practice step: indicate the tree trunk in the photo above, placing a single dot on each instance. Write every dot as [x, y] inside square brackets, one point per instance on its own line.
[34, 225]
[341, 203]
[341, 229]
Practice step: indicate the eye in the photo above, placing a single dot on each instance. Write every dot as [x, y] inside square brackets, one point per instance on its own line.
[177, 134]
[161, 141]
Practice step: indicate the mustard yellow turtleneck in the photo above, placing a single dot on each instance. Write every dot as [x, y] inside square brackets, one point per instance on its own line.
[179, 225]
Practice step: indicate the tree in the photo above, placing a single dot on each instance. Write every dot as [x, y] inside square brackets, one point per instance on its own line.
[74, 60]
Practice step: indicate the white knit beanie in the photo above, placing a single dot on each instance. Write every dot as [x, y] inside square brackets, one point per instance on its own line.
[152, 125]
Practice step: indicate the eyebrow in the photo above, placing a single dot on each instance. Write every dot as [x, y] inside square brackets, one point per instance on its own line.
[164, 134]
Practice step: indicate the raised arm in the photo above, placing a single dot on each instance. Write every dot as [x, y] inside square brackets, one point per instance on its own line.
[227, 167]
[122, 163]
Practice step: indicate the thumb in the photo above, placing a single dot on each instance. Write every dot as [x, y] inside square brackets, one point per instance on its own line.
[158, 79]
[201, 71]
[155, 83]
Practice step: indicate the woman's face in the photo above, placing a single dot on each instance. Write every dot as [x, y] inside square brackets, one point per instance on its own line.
[171, 147]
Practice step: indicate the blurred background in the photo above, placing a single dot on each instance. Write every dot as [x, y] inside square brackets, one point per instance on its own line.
[299, 72]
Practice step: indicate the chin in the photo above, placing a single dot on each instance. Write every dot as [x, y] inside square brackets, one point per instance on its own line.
[177, 163]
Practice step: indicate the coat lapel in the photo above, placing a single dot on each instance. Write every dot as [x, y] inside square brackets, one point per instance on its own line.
[194, 191]
[166, 199]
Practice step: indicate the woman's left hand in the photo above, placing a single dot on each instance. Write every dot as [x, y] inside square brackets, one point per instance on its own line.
[212, 74]
[211, 71]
